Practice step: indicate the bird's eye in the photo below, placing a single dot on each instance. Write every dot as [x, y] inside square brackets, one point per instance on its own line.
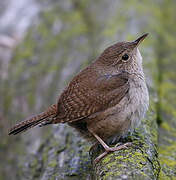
[125, 57]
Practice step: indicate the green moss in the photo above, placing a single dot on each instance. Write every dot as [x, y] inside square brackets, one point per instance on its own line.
[168, 162]
[167, 157]
[34, 163]
[45, 155]
[53, 163]
[169, 151]
[108, 174]
[116, 163]
[106, 159]
[119, 157]
[165, 126]
[111, 164]
[162, 176]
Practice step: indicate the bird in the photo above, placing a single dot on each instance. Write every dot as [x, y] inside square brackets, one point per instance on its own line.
[107, 98]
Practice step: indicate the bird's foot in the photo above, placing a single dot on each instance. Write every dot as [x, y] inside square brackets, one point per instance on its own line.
[117, 147]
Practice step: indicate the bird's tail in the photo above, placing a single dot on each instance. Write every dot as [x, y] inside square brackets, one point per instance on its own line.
[41, 119]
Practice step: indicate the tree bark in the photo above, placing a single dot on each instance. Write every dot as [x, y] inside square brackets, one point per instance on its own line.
[51, 53]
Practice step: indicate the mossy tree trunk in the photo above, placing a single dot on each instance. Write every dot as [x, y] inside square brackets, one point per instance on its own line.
[68, 35]
[166, 60]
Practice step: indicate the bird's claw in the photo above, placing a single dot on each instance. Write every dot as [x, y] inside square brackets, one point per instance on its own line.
[117, 147]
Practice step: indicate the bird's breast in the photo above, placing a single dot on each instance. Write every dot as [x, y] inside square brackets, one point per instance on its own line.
[138, 102]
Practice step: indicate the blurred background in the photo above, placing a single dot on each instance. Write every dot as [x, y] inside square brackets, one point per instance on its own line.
[43, 43]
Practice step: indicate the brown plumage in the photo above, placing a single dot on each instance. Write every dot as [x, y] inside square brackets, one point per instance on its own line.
[108, 97]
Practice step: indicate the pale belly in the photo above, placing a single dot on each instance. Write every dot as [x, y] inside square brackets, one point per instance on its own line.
[123, 117]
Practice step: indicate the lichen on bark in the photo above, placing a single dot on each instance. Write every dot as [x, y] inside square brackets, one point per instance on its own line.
[67, 37]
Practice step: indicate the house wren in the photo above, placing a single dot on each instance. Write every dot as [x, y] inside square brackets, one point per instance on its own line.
[107, 98]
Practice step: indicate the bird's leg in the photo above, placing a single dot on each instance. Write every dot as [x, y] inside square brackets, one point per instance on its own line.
[108, 149]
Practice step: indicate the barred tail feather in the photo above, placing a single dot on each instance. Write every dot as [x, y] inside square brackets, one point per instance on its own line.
[40, 119]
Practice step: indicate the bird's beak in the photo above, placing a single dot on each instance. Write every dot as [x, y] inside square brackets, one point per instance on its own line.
[139, 40]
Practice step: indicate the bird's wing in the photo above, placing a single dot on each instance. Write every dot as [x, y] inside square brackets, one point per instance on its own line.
[80, 100]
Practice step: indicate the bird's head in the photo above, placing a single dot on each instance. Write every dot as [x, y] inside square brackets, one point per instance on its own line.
[124, 56]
